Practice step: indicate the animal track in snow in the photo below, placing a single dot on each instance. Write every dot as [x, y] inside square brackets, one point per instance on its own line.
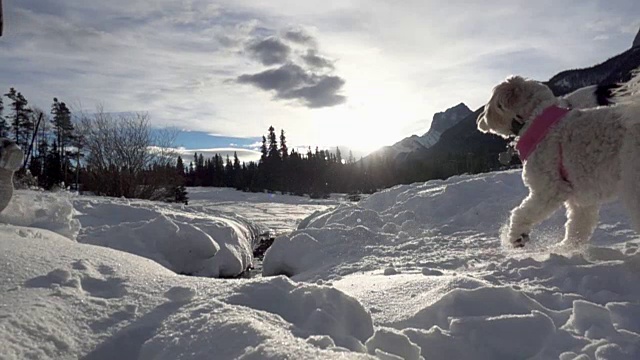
[85, 277]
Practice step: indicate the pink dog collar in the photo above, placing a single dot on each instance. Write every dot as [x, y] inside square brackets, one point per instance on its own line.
[538, 129]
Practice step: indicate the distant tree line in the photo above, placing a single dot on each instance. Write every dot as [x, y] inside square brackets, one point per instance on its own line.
[112, 156]
[123, 156]
[315, 172]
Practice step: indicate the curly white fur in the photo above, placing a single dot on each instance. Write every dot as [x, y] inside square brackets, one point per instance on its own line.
[10, 160]
[600, 152]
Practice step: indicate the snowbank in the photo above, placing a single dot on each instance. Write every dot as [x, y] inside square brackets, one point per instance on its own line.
[50, 211]
[427, 261]
[207, 238]
[213, 244]
[407, 215]
[196, 240]
[61, 299]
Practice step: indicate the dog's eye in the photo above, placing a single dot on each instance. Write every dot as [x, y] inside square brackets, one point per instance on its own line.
[500, 107]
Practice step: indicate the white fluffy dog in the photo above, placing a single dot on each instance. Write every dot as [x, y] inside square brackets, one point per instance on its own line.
[579, 157]
[10, 160]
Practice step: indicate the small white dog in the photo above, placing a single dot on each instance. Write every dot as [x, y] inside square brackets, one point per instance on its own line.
[579, 157]
[10, 161]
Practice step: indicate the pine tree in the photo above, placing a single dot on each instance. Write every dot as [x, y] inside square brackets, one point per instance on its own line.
[263, 150]
[236, 161]
[220, 170]
[284, 151]
[180, 166]
[180, 194]
[192, 174]
[20, 120]
[238, 178]
[62, 126]
[338, 156]
[201, 173]
[180, 191]
[351, 159]
[273, 144]
[228, 173]
[52, 170]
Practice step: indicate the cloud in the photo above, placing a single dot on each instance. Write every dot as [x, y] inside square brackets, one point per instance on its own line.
[299, 36]
[314, 60]
[255, 146]
[292, 82]
[304, 75]
[323, 93]
[404, 61]
[244, 155]
[282, 79]
[269, 51]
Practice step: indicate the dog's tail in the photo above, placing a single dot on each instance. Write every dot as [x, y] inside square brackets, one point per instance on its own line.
[628, 103]
[627, 97]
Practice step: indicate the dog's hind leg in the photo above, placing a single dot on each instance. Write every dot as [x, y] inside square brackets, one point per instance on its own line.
[581, 222]
[534, 208]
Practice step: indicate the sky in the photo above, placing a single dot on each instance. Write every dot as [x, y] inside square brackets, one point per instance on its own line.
[353, 73]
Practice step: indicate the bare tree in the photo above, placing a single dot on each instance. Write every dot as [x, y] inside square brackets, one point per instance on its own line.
[37, 117]
[126, 157]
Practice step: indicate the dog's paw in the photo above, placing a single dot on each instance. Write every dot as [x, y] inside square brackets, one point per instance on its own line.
[520, 241]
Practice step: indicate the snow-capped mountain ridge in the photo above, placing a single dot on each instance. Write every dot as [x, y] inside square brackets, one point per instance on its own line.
[446, 119]
[440, 123]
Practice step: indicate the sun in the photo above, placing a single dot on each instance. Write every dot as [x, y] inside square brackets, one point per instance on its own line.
[361, 131]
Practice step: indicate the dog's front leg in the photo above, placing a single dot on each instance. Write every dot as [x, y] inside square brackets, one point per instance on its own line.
[533, 209]
[581, 222]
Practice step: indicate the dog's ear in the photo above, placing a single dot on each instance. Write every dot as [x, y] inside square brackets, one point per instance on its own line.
[508, 93]
[482, 121]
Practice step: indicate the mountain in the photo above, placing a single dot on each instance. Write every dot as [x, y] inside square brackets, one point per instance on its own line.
[440, 123]
[616, 69]
[463, 149]
[636, 41]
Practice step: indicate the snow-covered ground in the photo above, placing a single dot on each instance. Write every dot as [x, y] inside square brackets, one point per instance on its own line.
[213, 236]
[278, 213]
[415, 271]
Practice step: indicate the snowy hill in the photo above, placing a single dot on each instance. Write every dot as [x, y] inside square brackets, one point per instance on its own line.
[427, 260]
[440, 123]
[415, 272]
